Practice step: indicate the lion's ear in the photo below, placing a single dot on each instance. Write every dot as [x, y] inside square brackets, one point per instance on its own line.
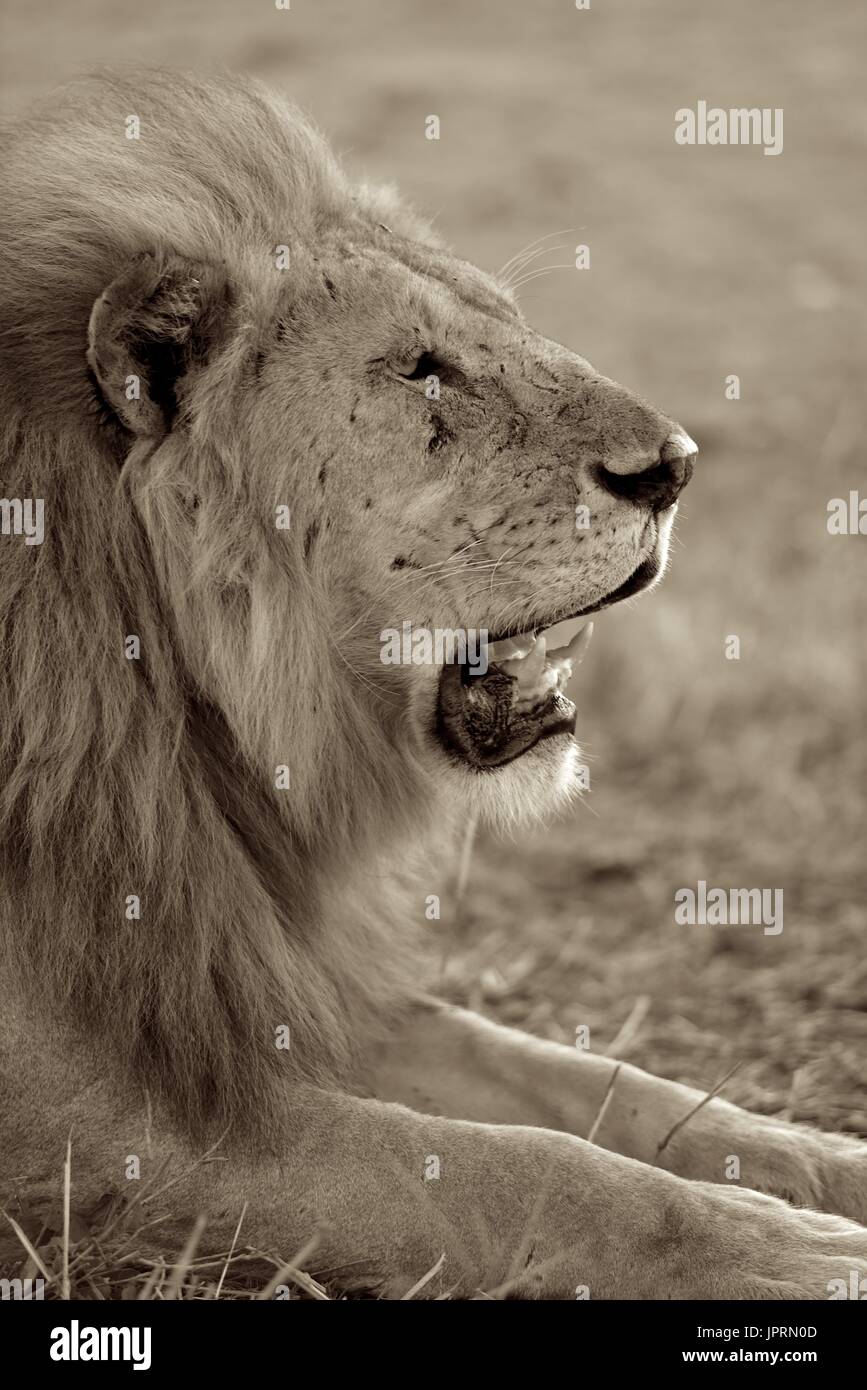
[152, 324]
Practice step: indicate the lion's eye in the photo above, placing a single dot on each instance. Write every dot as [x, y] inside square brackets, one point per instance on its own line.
[416, 368]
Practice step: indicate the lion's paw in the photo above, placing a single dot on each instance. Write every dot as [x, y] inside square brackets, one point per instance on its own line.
[809, 1168]
[759, 1247]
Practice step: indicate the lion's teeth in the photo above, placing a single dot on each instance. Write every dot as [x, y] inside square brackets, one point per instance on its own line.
[526, 670]
[511, 647]
[524, 657]
[574, 652]
[565, 658]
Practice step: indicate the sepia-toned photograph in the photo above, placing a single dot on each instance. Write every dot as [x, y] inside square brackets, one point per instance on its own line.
[433, 753]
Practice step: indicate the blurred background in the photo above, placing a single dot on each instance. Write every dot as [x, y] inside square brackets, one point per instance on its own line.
[705, 262]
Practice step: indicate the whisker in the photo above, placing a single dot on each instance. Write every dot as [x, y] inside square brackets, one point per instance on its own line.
[542, 270]
[524, 251]
[496, 567]
[415, 584]
[528, 260]
[377, 693]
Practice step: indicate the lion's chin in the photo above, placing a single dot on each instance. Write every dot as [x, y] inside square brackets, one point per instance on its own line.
[526, 790]
[507, 733]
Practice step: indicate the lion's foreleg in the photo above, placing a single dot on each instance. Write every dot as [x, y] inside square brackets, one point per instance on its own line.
[452, 1062]
[379, 1196]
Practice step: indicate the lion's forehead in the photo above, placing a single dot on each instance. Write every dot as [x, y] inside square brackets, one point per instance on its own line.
[426, 269]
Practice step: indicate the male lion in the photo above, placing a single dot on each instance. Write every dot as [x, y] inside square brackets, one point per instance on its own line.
[220, 363]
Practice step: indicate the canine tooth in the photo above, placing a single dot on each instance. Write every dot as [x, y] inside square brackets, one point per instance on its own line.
[572, 655]
[575, 650]
[561, 634]
[579, 644]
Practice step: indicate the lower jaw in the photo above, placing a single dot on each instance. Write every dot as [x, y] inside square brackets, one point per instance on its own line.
[478, 724]
[478, 721]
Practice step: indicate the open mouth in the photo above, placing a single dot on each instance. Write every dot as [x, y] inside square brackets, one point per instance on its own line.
[489, 719]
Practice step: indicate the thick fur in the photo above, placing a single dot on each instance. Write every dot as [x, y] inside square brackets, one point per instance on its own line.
[115, 772]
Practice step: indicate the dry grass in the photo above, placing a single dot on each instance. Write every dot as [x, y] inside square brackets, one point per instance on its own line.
[107, 1254]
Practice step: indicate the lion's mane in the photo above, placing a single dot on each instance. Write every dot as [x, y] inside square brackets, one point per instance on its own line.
[124, 777]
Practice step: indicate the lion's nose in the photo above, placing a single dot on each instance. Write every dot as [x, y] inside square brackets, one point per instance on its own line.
[660, 483]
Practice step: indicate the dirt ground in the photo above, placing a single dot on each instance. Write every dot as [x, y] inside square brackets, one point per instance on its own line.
[704, 262]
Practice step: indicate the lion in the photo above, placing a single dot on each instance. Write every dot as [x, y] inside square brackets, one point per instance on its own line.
[270, 418]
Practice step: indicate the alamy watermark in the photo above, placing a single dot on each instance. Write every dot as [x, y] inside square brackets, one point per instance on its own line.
[847, 516]
[740, 125]
[77, 1343]
[23, 516]
[730, 907]
[440, 646]
[21, 1290]
[854, 1288]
